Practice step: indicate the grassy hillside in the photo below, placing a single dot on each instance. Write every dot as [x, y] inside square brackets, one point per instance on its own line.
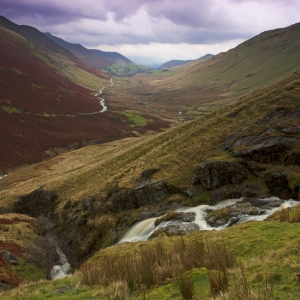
[199, 88]
[90, 182]
[263, 260]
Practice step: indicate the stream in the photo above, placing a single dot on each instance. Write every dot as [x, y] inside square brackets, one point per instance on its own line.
[144, 229]
[62, 270]
[102, 101]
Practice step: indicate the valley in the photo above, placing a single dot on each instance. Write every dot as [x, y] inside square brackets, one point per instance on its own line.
[130, 198]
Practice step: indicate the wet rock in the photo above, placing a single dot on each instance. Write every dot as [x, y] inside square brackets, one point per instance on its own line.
[235, 192]
[232, 214]
[39, 202]
[279, 186]
[176, 228]
[8, 257]
[214, 174]
[266, 203]
[158, 211]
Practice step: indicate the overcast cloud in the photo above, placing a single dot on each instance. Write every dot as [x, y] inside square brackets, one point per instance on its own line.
[154, 30]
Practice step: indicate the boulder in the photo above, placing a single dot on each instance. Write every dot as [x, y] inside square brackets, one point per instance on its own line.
[214, 174]
[37, 203]
[8, 257]
[176, 228]
[266, 151]
[235, 192]
[147, 192]
[279, 185]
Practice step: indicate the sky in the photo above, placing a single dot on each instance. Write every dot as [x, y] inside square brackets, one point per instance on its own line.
[154, 31]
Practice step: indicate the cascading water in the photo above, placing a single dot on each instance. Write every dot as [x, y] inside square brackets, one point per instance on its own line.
[61, 270]
[144, 229]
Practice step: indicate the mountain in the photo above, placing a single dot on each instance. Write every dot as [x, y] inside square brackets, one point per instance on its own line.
[114, 63]
[82, 53]
[176, 63]
[46, 96]
[112, 56]
[229, 76]
[74, 208]
[173, 63]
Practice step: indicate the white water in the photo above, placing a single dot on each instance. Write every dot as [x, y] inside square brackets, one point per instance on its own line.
[143, 230]
[61, 270]
[3, 176]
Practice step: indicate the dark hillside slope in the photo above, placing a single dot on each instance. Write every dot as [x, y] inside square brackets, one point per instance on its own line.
[82, 53]
[112, 56]
[41, 108]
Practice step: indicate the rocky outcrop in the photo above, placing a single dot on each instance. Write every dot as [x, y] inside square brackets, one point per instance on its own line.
[235, 192]
[40, 202]
[214, 174]
[176, 228]
[8, 257]
[279, 185]
[266, 151]
[232, 214]
[175, 223]
[145, 193]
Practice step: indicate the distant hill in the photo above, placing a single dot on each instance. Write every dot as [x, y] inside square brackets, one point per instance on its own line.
[176, 63]
[229, 76]
[82, 53]
[114, 63]
[112, 56]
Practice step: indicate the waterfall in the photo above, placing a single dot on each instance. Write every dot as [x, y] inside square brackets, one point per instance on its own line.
[61, 270]
[144, 229]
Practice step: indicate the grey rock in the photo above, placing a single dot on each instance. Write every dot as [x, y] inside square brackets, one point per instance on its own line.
[295, 114]
[8, 257]
[279, 185]
[272, 116]
[291, 129]
[179, 228]
[214, 174]
[269, 150]
[39, 202]
[145, 193]
[235, 192]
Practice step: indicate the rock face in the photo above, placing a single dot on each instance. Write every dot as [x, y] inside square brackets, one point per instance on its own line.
[214, 174]
[266, 151]
[279, 186]
[143, 194]
[37, 203]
